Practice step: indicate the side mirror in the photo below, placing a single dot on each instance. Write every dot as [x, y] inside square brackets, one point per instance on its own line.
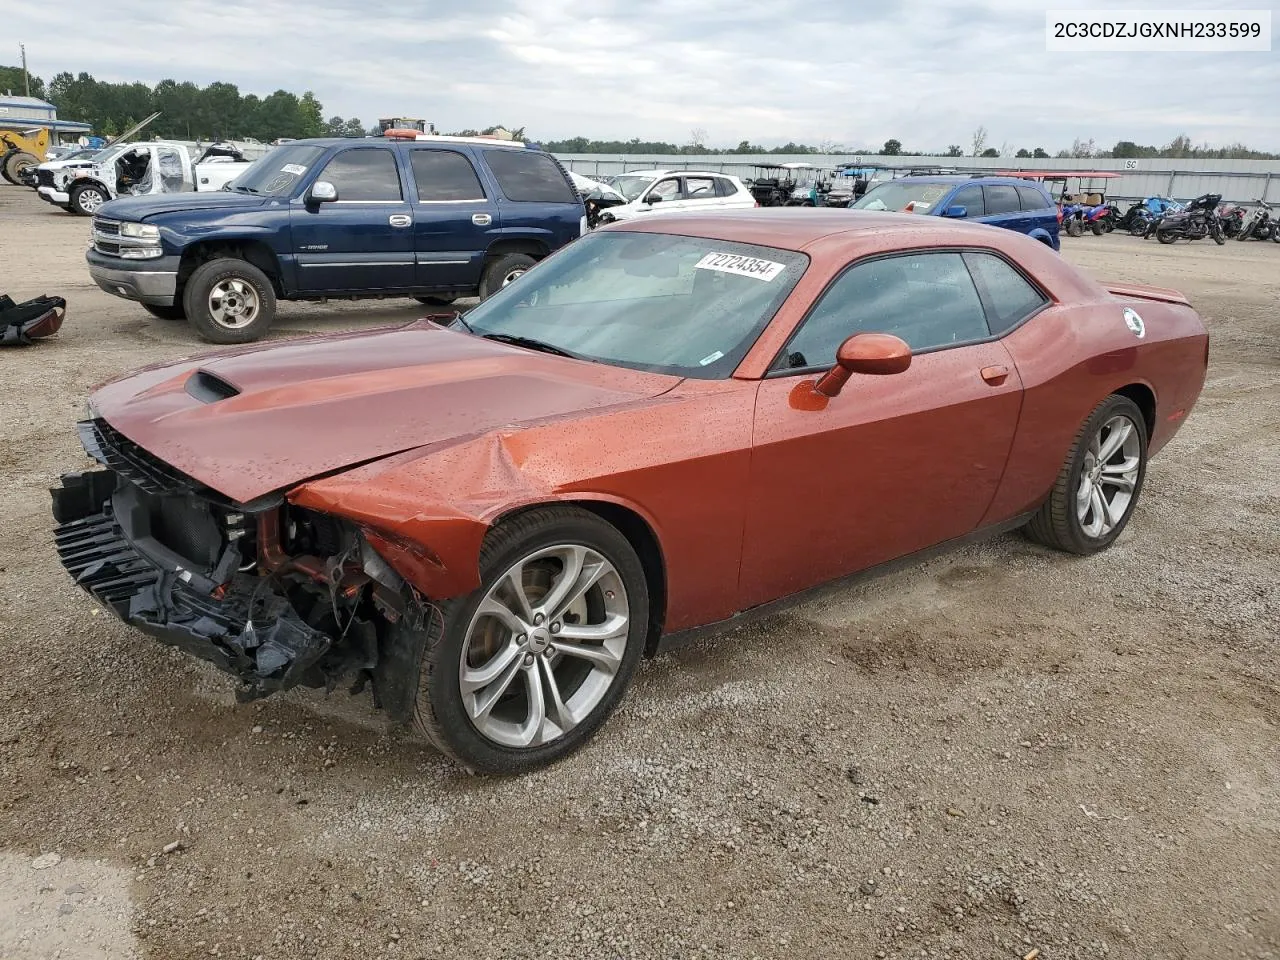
[652, 198]
[959, 212]
[322, 191]
[871, 354]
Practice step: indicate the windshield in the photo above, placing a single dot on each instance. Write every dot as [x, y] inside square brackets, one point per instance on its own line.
[630, 187]
[276, 174]
[685, 306]
[911, 196]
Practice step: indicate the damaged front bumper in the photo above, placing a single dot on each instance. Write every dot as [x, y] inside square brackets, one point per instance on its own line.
[275, 596]
[242, 624]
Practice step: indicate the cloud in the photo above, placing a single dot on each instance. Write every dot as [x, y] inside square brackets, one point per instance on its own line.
[847, 71]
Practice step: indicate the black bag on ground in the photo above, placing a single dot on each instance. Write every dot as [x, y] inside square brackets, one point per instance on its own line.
[34, 319]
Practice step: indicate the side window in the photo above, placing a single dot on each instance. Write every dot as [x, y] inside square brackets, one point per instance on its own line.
[666, 189]
[1033, 199]
[1001, 199]
[365, 173]
[970, 198]
[1010, 295]
[699, 188]
[725, 187]
[529, 176]
[927, 299]
[443, 176]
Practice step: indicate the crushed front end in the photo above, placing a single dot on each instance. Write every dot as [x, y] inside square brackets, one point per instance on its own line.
[273, 594]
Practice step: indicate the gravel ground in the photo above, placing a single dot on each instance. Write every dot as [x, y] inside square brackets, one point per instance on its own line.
[1002, 751]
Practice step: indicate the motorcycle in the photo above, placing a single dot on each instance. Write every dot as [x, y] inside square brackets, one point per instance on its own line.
[1259, 224]
[1157, 209]
[1071, 216]
[1197, 221]
[1232, 217]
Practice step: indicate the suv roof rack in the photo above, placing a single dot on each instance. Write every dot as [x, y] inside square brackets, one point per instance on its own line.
[394, 134]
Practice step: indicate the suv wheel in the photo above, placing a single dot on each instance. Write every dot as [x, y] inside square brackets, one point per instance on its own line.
[166, 311]
[229, 301]
[503, 271]
[436, 301]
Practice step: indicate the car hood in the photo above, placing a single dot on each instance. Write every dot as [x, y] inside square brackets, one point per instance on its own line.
[258, 420]
[141, 208]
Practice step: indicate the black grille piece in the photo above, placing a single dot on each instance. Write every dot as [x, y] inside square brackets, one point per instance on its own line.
[96, 554]
[107, 247]
[44, 178]
[109, 228]
[113, 449]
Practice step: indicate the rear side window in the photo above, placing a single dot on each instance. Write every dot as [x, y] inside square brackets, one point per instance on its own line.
[699, 188]
[1033, 199]
[970, 198]
[1010, 297]
[526, 175]
[1001, 199]
[443, 176]
[366, 173]
[725, 187]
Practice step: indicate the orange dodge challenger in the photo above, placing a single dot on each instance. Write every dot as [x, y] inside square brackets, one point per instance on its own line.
[491, 518]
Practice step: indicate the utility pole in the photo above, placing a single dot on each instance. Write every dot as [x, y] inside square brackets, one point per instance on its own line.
[26, 77]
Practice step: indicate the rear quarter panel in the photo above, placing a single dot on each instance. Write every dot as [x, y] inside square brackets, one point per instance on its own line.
[1070, 358]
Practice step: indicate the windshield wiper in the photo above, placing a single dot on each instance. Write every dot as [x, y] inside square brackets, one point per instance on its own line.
[239, 187]
[459, 318]
[531, 344]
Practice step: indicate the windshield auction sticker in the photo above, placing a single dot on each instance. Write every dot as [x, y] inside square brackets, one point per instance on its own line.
[296, 169]
[740, 265]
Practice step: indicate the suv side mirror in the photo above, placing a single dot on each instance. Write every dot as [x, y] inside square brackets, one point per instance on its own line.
[653, 198]
[322, 191]
[872, 354]
[959, 212]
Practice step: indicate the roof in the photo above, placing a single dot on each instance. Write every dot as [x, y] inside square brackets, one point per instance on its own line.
[1050, 174]
[35, 102]
[797, 228]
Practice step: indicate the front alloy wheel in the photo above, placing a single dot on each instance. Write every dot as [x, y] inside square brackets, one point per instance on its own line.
[526, 668]
[544, 646]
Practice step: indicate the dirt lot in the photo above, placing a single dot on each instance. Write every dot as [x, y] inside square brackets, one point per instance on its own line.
[1000, 751]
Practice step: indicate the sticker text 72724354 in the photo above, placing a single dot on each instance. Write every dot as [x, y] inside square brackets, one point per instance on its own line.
[740, 265]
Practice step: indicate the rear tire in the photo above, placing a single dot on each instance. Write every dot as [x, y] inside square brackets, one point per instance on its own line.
[166, 312]
[229, 301]
[1059, 523]
[435, 301]
[1074, 228]
[447, 716]
[1166, 236]
[16, 163]
[503, 271]
[1097, 228]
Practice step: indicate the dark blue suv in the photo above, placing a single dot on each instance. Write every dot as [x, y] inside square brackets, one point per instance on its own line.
[1008, 202]
[436, 218]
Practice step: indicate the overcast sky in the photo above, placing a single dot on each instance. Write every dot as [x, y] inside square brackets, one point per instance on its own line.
[843, 71]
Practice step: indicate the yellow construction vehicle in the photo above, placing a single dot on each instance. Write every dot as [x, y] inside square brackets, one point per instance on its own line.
[20, 149]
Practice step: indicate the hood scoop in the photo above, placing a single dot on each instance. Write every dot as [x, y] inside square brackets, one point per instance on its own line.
[209, 387]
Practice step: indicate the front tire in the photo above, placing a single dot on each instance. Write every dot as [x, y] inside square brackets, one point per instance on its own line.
[229, 301]
[86, 198]
[526, 668]
[1098, 486]
[502, 271]
[1074, 228]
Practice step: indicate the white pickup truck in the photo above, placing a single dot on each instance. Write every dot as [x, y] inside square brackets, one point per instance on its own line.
[136, 169]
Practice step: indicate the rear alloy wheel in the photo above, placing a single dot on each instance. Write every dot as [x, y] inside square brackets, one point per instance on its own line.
[1096, 491]
[86, 198]
[229, 301]
[527, 667]
[504, 270]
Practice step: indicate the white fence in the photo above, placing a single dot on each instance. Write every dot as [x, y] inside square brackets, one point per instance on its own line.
[1239, 181]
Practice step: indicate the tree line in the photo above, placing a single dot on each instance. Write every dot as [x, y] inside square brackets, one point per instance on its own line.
[220, 111]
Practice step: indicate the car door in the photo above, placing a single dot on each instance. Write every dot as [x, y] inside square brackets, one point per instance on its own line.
[670, 192]
[699, 193]
[363, 240]
[893, 464]
[453, 218]
[969, 197]
[1003, 207]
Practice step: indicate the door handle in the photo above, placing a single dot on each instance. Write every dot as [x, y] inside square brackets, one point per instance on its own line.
[400, 220]
[995, 375]
[481, 219]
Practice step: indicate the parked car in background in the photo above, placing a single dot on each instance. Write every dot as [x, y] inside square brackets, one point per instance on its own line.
[1009, 202]
[135, 170]
[670, 191]
[435, 218]
[669, 423]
